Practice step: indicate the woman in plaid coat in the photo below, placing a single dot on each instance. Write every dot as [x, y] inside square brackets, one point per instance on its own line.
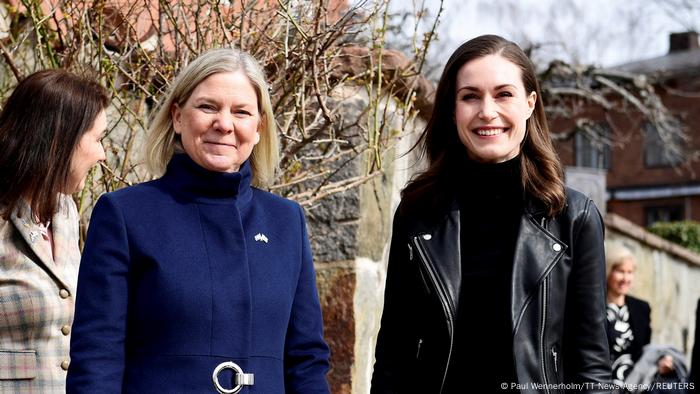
[50, 132]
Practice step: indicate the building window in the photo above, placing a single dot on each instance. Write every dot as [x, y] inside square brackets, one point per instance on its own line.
[668, 213]
[592, 147]
[656, 153]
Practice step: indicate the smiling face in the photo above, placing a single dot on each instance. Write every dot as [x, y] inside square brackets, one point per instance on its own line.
[492, 108]
[621, 277]
[87, 153]
[218, 124]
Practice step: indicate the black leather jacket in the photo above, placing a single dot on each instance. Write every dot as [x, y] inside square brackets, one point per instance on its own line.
[557, 307]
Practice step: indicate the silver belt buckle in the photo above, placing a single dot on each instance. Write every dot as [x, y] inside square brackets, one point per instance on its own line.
[241, 379]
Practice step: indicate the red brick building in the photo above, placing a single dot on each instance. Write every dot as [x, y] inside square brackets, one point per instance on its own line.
[646, 182]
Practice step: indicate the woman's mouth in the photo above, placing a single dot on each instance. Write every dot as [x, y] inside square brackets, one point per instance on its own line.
[219, 143]
[490, 131]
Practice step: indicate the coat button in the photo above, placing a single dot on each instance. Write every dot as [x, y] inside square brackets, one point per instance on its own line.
[556, 247]
[65, 364]
[427, 237]
[65, 330]
[64, 293]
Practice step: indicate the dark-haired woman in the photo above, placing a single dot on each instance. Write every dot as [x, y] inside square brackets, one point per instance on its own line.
[496, 274]
[50, 132]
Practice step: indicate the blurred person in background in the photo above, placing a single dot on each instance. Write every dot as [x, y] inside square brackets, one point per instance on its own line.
[50, 137]
[629, 322]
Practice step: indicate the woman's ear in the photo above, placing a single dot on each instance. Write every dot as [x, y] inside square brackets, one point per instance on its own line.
[531, 101]
[175, 115]
[261, 128]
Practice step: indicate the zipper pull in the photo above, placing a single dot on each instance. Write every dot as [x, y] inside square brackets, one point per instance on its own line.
[554, 354]
[410, 252]
[420, 343]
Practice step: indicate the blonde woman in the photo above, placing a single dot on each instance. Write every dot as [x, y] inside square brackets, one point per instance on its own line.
[200, 281]
[629, 318]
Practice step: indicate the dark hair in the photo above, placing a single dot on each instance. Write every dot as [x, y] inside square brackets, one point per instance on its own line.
[541, 171]
[40, 127]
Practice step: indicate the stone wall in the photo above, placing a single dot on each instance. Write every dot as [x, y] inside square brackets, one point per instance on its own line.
[349, 234]
[667, 276]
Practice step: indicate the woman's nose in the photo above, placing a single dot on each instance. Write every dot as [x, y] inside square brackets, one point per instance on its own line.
[224, 123]
[102, 156]
[488, 109]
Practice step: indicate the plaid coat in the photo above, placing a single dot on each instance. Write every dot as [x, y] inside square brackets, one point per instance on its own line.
[37, 293]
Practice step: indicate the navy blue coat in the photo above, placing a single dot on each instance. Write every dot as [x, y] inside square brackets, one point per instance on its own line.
[191, 270]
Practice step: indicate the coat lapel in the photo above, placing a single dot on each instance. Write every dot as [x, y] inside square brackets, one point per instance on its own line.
[30, 232]
[536, 253]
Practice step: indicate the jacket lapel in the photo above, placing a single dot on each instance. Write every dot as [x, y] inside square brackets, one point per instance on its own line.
[536, 253]
[442, 245]
[31, 233]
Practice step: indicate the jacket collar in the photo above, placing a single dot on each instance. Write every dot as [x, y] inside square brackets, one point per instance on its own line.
[537, 251]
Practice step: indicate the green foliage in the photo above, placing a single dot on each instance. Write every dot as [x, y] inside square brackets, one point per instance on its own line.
[685, 233]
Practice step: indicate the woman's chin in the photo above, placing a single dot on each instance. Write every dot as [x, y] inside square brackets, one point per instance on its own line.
[220, 164]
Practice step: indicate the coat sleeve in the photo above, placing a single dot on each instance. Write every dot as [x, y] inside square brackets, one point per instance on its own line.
[306, 359]
[587, 354]
[396, 349]
[97, 342]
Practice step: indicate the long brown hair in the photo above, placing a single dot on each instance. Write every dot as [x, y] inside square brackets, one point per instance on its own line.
[541, 171]
[40, 127]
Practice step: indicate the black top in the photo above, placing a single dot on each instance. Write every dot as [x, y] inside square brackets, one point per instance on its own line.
[491, 206]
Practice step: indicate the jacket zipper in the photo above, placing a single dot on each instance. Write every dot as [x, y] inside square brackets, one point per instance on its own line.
[554, 355]
[420, 271]
[443, 301]
[542, 343]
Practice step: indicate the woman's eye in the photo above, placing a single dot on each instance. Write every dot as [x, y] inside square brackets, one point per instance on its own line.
[470, 96]
[206, 107]
[505, 94]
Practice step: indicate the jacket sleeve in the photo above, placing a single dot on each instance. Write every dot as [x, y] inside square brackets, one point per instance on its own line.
[396, 348]
[97, 342]
[588, 354]
[640, 316]
[306, 358]
[646, 338]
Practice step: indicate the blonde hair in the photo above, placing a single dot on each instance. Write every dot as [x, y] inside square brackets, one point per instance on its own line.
[162, 141]
[616, 255]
